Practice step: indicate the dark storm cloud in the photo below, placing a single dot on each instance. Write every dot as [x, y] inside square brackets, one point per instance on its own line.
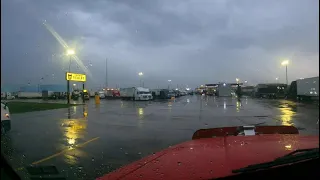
[190, 42]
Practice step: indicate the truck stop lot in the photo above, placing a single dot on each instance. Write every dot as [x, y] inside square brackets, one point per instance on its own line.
[87, 141]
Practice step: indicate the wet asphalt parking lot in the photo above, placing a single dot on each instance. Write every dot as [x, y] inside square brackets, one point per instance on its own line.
[87, 141]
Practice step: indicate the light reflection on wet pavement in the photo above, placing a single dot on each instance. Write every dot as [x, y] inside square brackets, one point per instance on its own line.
[87, 141]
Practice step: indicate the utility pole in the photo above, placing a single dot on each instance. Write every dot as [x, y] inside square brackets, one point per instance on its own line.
[106, 72]
[287, 74]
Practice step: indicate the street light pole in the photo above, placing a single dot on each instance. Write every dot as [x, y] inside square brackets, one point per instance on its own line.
[140, 75]
[40, 83]
[68, 82]
[285, 63]
[169, 84]
[68, 91]
[69, 63]
[83, 93]
[106, 72]
[70, 52]
[287, 74]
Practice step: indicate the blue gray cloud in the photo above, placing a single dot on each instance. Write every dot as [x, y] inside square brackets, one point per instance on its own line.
[190, 42]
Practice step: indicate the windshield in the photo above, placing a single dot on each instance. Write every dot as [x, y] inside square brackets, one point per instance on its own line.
[94, 85]
[143, 92]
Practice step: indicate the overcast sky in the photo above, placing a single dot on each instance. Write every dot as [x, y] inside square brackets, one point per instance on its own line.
[191, 42]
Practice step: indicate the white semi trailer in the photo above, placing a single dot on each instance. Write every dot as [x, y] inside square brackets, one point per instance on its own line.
[224, 90]
[308, 88]
[29, 95]
[135, 93]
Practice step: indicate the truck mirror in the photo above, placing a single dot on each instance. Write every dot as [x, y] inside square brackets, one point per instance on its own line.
[5, 105]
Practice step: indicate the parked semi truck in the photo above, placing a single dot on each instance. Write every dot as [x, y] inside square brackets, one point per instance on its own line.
[220, 89]
[112, 92]
[247, 90]
[29, 95]
[161, 94]
[304, 89]
[6, 95]
[276, 90]
[135, 93]
[49, 95]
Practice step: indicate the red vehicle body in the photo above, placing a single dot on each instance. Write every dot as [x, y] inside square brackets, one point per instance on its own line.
[112, 93]
[116, 93]
[215, 153]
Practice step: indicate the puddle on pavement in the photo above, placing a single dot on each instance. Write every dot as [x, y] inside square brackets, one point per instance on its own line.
[286, 116]
[75, 125]
[140, 113]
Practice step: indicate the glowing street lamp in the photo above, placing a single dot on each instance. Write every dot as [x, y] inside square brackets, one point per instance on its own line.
[70, 52]
[285, 63]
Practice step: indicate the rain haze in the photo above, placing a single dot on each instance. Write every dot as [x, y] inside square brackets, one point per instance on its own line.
[190, 42]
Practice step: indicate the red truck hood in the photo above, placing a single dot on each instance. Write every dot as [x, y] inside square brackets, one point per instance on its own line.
[212, 157]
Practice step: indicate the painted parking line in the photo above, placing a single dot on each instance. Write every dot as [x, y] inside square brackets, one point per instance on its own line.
[61, 152]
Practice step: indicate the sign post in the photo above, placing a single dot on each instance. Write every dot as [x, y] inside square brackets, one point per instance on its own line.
[75, 77]
[68, 91]
[83, 92]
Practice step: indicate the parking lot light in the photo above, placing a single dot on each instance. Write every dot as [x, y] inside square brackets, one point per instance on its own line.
[70, 52]
[284, 63]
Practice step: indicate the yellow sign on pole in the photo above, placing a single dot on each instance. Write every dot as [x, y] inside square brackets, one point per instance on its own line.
[76, 77]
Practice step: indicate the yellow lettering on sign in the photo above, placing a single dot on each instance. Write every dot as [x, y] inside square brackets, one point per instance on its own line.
[76, 77]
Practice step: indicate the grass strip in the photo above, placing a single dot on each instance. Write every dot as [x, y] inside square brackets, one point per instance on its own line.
[23, 107]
